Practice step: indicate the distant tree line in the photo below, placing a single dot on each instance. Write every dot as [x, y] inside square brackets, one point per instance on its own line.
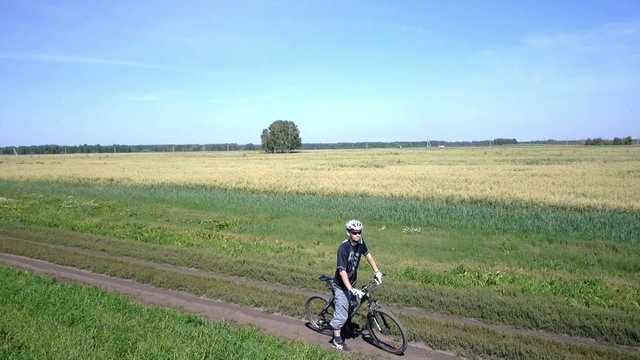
[616, 141]
[89, 149]
[406, 144]
[500, 141]
[93, 149]
[553, 142]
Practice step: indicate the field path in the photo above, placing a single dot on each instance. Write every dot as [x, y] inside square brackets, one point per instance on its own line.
[213, 309]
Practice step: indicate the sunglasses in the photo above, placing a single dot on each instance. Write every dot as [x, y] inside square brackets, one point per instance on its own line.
[355, 232]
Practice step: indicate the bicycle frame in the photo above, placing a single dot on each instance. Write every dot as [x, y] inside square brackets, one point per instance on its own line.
[353, 310]
[371, 302]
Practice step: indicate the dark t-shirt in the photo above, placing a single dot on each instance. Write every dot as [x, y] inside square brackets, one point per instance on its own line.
[348, 260]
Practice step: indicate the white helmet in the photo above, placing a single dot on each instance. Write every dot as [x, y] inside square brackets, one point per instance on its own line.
[354, 225]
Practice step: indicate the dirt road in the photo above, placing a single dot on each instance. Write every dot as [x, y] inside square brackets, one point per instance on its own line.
[213, 309]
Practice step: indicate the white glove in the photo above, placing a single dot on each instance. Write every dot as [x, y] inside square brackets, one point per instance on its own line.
[357, 293]
[378, 276]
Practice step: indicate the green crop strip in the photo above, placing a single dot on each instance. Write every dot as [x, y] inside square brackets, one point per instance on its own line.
[616, 227]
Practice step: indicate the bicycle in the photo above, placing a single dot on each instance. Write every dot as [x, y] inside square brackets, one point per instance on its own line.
[384, 328]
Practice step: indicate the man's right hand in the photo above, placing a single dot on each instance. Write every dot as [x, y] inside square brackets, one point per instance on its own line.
[357, 293]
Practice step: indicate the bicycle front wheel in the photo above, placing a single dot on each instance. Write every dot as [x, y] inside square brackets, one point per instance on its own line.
[319, 312]
[387, 332]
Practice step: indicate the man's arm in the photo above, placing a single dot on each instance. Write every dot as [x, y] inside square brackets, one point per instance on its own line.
[345, 279]
[372, 262]
[378, 274]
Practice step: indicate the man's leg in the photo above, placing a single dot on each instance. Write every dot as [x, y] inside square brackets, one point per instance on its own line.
[340, 315]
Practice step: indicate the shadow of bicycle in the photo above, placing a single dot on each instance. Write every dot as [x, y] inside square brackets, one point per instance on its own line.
[349, 331]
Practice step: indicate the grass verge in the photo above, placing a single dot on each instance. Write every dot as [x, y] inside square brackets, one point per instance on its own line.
[41, 318]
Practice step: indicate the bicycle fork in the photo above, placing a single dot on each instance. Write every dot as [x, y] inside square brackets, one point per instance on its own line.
[375, 322]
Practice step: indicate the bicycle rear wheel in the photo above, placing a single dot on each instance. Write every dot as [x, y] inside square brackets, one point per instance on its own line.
[387, 332]
[319, 312]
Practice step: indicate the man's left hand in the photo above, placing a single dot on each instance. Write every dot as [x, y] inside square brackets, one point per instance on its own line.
[378, 276]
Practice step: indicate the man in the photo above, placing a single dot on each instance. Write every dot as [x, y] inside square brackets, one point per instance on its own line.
[346, 276]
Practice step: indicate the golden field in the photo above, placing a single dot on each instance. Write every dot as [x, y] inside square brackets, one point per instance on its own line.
[565, 177]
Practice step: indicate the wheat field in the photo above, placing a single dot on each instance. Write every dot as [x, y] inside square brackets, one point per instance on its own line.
[606, 178]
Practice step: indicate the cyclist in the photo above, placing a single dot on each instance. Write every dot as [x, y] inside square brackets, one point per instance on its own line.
[346, 276]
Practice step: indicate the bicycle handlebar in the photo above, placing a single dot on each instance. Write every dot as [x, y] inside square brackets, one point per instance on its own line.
[371, 283]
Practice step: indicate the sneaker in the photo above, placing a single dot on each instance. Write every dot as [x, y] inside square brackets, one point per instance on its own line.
[339, 345]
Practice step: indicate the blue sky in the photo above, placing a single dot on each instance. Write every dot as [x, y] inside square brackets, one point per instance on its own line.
[202, 72]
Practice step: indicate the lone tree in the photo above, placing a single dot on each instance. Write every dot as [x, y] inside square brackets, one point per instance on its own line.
[281, 136]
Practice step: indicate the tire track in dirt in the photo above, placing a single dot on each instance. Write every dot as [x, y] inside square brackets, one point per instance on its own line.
[216, 310]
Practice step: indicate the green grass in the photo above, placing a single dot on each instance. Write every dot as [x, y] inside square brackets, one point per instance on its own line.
[591, 292]
[470, 341]
[41, 318]
[558, 270]
[607, 325]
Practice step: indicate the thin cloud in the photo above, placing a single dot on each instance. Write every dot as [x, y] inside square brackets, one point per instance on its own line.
[603, 39]
[624, 29]
[583, 74]
[608, 47]
[248, 99]
[142, 97]
[70, 59]
[150, 96]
